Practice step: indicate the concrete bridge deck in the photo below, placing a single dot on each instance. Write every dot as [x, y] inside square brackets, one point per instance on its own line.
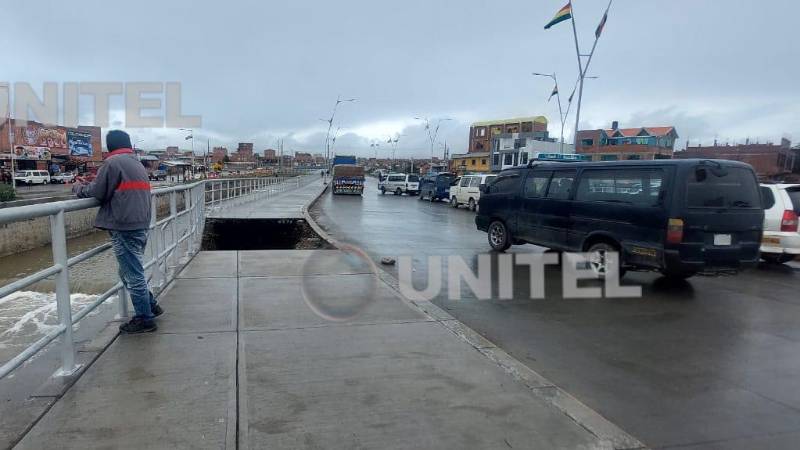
[247, 356]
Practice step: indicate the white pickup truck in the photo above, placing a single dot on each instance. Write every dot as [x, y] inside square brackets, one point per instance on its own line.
[63, 178]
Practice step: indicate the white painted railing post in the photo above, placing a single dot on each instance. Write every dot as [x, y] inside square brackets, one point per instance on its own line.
[172, 223]
[59, 245]
[156, 235]
[122, 304]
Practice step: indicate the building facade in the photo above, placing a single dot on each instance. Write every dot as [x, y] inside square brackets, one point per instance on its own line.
[770, 161]
[218, 155]
[616, 143]
[37, 146]
[470, 162]
[512, 149]
[482, 133]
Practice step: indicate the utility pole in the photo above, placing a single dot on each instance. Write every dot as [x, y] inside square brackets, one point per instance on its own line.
[11, 138]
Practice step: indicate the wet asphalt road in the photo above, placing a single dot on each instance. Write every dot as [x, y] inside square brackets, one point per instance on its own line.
[707, 363]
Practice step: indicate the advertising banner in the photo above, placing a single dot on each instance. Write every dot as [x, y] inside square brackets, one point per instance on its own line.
[31, 152]
[80, 144]
[34, 135]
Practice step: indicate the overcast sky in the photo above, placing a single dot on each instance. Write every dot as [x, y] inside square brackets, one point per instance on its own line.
[257, 71]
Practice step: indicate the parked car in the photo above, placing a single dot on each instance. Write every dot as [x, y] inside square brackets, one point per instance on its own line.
[781, 240]
[435, 186]
[679, 217]
[32, 177]
[399, 183]
[468, 190]
[63, 178]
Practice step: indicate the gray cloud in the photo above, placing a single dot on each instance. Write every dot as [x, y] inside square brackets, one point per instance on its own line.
[259, 71]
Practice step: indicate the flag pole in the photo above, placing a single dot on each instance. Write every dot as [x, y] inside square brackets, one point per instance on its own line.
[580, 73]
[560, 114]
[597, 38]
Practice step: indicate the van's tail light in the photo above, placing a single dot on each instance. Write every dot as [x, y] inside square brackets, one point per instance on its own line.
[675, 231]
[789, 221]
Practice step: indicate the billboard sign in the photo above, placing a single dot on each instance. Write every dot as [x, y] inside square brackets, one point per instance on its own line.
[80, 144]
[34, 135]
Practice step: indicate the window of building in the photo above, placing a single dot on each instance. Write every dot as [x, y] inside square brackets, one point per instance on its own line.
[479, 146]
[584, 142]
[527, 127]
[508, 159]
[496, 159]
[473, 161]
[634, 157]
[608, 157]
[560, 184]
[536, 184]
[483, 161]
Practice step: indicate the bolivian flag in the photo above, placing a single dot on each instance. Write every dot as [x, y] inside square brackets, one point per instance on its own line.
[563, 14]
[555, 92]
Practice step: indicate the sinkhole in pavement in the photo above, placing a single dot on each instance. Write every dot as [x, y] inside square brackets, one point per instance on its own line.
[261, 234]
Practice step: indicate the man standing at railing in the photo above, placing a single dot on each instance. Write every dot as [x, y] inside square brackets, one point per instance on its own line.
[123, 189]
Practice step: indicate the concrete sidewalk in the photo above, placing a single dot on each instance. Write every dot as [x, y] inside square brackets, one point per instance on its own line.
[240, 358]
[278, 205]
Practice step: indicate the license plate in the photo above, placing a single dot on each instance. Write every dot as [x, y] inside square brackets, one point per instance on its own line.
[722, 239]
[771, 240]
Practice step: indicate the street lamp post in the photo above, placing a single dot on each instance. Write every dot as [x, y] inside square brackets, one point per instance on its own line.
[558, 98]
[433, 132]
[330, 125]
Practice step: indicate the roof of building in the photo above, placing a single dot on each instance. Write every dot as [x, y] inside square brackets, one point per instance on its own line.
[631, 132]
[487, 123]
[469, 155]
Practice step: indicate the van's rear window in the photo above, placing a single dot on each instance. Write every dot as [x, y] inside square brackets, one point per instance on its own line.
[727, 187]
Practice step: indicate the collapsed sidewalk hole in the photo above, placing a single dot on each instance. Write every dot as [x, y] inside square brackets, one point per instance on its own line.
[261, 234]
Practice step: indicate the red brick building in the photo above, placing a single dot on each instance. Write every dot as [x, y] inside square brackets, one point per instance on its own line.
[481, 133]
[627, 143]
[244, 153]
[770, 161]
[218, 154]
[45, 147]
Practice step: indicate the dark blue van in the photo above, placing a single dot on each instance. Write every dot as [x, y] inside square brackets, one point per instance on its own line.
[436, 186]
[679, 217]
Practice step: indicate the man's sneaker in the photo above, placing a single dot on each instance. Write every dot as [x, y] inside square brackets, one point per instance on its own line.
[138, 325]
[157, 310]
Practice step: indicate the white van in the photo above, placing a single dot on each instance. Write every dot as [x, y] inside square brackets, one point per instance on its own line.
[32, 177]
[467, 190]
[781, 240]
[398, 183]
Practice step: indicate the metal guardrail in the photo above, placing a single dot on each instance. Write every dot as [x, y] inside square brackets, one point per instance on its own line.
[181, 229]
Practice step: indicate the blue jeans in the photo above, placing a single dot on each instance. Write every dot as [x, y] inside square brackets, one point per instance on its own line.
[129, 249]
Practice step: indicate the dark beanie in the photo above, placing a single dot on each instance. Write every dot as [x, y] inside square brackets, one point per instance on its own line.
[116, 139]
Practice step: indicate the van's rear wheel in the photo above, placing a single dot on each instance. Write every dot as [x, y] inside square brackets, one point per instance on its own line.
[453, 202]
[598, 259]
[499, 237]
[472, 204]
